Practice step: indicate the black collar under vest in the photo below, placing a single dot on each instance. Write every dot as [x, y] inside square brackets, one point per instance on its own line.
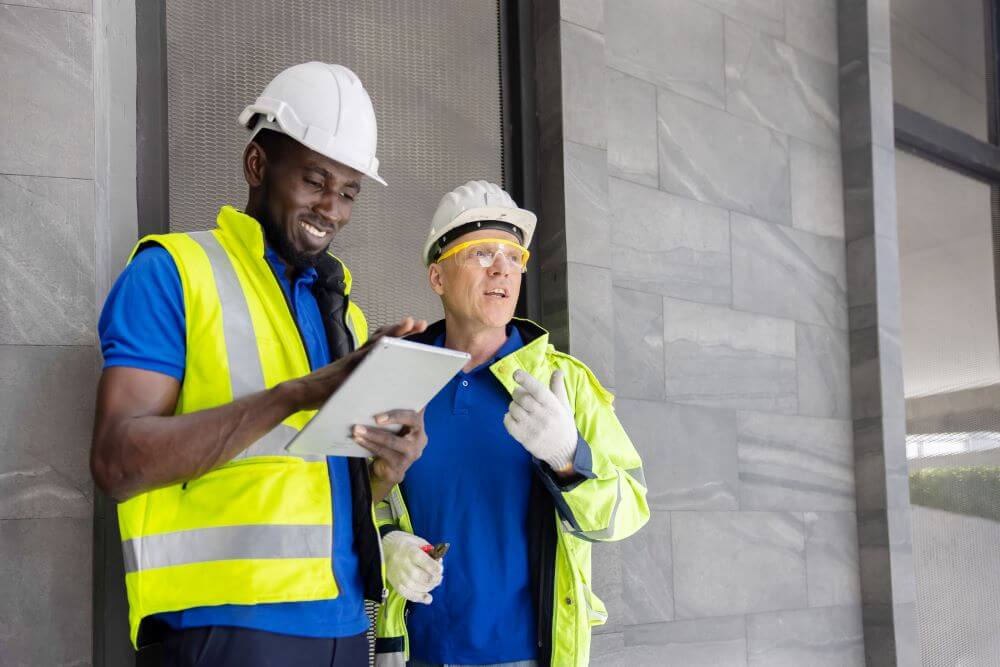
[331, 297]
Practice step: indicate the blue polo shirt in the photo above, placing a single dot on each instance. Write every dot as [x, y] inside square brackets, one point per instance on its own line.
[142, 325]
[471, 488]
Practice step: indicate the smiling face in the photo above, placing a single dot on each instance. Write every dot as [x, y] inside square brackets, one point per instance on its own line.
[477, 296]
[301, 198]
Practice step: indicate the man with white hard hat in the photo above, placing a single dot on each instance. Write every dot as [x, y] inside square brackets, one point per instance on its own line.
[526, 466]
[218, 346]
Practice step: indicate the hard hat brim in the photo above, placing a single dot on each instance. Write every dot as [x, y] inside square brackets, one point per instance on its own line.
[521, 218]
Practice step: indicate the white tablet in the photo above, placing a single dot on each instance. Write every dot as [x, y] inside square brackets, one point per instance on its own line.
[397, 375]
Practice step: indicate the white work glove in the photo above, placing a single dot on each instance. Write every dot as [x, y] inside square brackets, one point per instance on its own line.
[541, 420]
[412, 572]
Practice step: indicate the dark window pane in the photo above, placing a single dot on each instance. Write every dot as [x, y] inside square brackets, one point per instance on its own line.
[939, 61]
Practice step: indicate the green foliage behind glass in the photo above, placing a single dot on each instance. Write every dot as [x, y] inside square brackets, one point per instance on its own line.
[971, 490]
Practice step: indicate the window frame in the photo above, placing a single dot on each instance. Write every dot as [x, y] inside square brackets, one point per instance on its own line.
[947, 146]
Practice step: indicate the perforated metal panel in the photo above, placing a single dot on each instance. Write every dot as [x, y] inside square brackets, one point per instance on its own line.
[432, 69]
[951, 368]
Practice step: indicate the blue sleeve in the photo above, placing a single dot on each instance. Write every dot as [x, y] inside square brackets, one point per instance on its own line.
[142, 324]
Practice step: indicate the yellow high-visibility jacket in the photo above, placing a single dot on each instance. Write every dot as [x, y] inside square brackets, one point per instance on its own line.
[608, 504]
[258, 529]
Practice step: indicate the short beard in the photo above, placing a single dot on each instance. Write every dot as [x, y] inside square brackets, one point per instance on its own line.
[278, 238]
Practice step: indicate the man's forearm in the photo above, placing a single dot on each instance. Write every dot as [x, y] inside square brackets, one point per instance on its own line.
[148, 452]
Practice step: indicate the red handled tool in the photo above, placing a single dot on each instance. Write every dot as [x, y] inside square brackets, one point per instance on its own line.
[436, 552]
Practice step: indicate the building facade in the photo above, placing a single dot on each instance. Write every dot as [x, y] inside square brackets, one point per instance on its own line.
[767, 225]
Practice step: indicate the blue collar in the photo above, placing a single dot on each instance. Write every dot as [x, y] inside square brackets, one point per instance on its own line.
[305, 277]
[513, 343]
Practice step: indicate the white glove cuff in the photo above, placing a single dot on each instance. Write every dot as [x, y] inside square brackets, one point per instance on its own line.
[562, 457]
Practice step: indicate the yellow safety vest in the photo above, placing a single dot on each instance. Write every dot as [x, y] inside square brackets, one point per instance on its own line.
[609, 504]
[258, 529]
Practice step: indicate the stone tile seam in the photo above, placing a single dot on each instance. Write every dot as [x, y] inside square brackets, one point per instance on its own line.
[783, 40]
[592, 266]
[576, 142]
[750, 511]
[685, 197]
[845, 329]
[673, 566]
[747, 615]
[47, 518]
[805, 547]
[48, 9]
[70, 346]
[69, 482]
[688, 300]
[732, 270]
[725, 110]
[580, 25]
[659, 167]
[61, 178]
[667, 90]
[742, 22]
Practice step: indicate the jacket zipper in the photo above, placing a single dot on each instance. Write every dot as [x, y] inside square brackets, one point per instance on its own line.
[546, 604]
[374, 532]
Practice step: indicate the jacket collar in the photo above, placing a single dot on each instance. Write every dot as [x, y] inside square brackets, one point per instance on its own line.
[530, 357]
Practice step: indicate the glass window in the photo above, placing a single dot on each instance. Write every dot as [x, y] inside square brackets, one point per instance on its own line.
[946, 260]
[951, 373]
[939, 61]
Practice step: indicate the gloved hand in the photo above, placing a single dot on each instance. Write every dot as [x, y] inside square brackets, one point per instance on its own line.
[541, 419]
[412, 573]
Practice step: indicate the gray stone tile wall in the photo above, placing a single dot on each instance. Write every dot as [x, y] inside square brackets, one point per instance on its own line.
[48, 355]
[729, 322]
[48, 129]
[744, 167]
[825, 637]
[674, 44]
[700, 134]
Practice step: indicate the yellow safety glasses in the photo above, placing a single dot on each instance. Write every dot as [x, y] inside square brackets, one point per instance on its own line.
[483, 252]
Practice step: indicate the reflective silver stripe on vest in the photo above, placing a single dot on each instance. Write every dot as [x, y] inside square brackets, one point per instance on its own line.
[227, 543]
[349, 323]
[395, 659]
[638, 475]
[246, 375]
[384, 514]
[396, 505]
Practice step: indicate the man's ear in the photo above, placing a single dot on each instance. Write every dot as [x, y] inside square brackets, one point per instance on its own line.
[254, 164]
[436, 278]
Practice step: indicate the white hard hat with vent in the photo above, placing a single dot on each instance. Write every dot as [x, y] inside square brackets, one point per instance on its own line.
[464, 208]
[325, 108]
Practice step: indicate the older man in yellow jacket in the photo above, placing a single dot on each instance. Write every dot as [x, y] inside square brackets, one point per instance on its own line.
[526, 466]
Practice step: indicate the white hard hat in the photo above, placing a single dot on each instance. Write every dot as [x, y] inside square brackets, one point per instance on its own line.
[323, 107]
[464, 208]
